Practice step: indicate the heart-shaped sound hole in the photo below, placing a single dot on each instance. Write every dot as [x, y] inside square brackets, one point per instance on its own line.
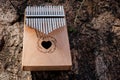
[46, 44]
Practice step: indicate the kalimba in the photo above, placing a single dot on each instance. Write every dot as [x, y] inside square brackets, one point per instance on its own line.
[45, 42]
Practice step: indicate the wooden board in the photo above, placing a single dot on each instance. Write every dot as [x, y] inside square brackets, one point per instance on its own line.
[35, 60]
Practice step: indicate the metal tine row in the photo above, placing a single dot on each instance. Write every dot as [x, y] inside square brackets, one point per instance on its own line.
[44, 10]
[45, 25]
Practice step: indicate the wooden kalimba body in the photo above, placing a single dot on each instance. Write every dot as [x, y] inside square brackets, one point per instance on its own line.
[45, 42]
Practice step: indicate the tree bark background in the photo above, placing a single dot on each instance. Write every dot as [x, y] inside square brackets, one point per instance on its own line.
[94, 37]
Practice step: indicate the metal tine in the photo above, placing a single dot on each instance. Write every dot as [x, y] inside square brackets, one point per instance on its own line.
[60, 10]
[43, 25]
[57, 23]
[45, 10]
[55, 10]
[34, 8]
[62, 22]
[35, 11]
[53, 7]
[51, 24]
[48, 10]
[52, 10]
[30, 10]
[40, 24]
[63, 10]
[50, 27]
[36, 24]
[46, 26]
[31, 23]
[47, 23]
[41, 10]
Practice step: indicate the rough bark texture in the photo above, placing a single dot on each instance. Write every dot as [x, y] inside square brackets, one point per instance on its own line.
[94, 34]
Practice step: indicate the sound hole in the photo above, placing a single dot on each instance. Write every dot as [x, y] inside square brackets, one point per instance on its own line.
[46, 44]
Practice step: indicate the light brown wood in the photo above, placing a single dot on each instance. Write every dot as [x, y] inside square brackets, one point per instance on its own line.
[35, 60]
